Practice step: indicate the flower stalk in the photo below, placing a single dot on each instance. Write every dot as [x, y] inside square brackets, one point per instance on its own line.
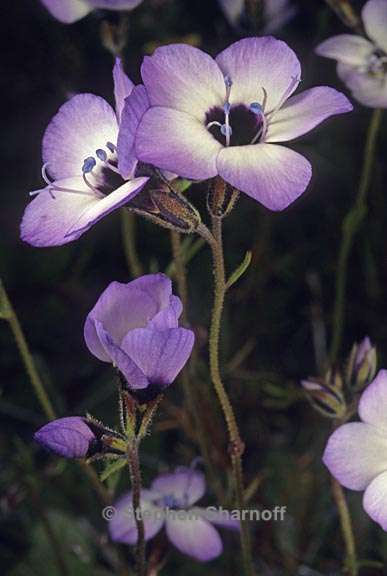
[346, 527]
[351, 225]
[135, 478]
[128, 225]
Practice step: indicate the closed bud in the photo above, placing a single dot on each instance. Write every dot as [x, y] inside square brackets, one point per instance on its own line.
[221, 198]
[362, 363]
[325, 395]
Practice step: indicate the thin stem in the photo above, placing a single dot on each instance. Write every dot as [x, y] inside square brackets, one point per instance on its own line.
[180, 272]
[351, 225]
[128, 227]
[135, 477]
[236, 445]
[346, 527]
[25, 353]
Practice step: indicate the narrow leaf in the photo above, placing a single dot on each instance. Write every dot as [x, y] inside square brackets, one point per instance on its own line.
[240, 270]
[112, 468]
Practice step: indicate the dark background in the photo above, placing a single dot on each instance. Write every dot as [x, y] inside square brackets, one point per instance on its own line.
[269, 312]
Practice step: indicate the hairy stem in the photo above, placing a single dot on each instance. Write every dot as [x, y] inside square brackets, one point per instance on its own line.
[351, 225]
[236, 445]
[128, 227]
[135, 477]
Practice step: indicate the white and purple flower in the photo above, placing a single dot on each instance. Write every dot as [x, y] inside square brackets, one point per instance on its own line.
[69, 11]
[171, 502]
[362, 62]
[356, 453]
[80, 167]
[135, 326]
[199, 117]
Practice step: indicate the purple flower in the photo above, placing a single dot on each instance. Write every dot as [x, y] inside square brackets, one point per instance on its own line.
[135, 327]
[356, 453]
[227, 116]
[170, 502]
[276, 13]
[80, 156]
[68, 437]
[362, 62]
[69, 11]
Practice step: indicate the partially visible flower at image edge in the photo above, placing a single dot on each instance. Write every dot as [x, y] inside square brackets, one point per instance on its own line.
[275, 13]
[362, 62]
[135, 327]
[356, 453]
[192, 533]
[80, 167]
[69, 11]
[227, 117]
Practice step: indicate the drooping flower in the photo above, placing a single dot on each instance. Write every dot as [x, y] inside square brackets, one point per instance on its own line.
[135, 327]
[69, 11]
[227, 117]
[80, 156]
[69, 437]
[171, 502]
[276, 13]
[356, 453]
[361, 61]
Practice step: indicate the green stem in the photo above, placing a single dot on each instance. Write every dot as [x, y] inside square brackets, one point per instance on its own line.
[236, 445]
[128, 226]
[346, 527]
[351, 225]
[135, 477]
[9, 314]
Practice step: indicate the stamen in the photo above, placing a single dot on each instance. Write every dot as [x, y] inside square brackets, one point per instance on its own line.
[101, 154]
[228, 83]
[88, 164]
[290, 89]
[111, 147]
[226, 129]
[44, 174]
[95, 190]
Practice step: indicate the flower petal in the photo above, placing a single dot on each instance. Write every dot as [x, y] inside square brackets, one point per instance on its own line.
[69, 11]
[367, 89]
[68, 437]
[301, 113]
[355, 454]
[276, 14]
[81, 126]
[123, 307]
[115, 4]
[184, 78]
[375, 500]
[169, 317]
[233, 10]
[219, 517]
[175, 141]
[273, 175]
[374, 16]
[159, 354]
[123, 86]
[134, 109]
[135, 378]
[258, 64]
[50, 215]
[373, 402]
[185, 484]
[195, 537]
[122, 527]
[347, 48]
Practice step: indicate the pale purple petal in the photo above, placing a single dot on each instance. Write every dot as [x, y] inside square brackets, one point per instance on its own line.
[123, 307]
[347, 48]
[301, 113]
[134, 109]
[123, 86]
[68, 437]
[82, 125]
[184, 78]
[185, 484]
[222, 518]
[262, 64]
[175, 141]
[169, 317]
[194, 537]
[159, 354]
[276, 14]
[67, 11]
[374, 16]
[105, 206]
[233, 10]
[355, 454]
[373, 402]
[50, 215]
[375, 500]
[115, 4]
[122, 527]
[135, 378]
[367, 89]
[273, 175]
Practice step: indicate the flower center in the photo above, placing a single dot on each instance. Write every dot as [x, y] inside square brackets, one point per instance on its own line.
[377, 64]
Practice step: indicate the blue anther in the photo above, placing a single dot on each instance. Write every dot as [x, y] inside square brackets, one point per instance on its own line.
[256, 108]
[228, 81]
[110, 147]
[227, 108]
[101, 154]
[88, 164]
[226, 130]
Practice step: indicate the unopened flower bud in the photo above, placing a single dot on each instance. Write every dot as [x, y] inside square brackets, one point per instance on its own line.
[325, 395]
[221, 198]
[362, 363]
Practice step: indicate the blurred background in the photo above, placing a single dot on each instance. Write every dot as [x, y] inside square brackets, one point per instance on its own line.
[271, 319]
